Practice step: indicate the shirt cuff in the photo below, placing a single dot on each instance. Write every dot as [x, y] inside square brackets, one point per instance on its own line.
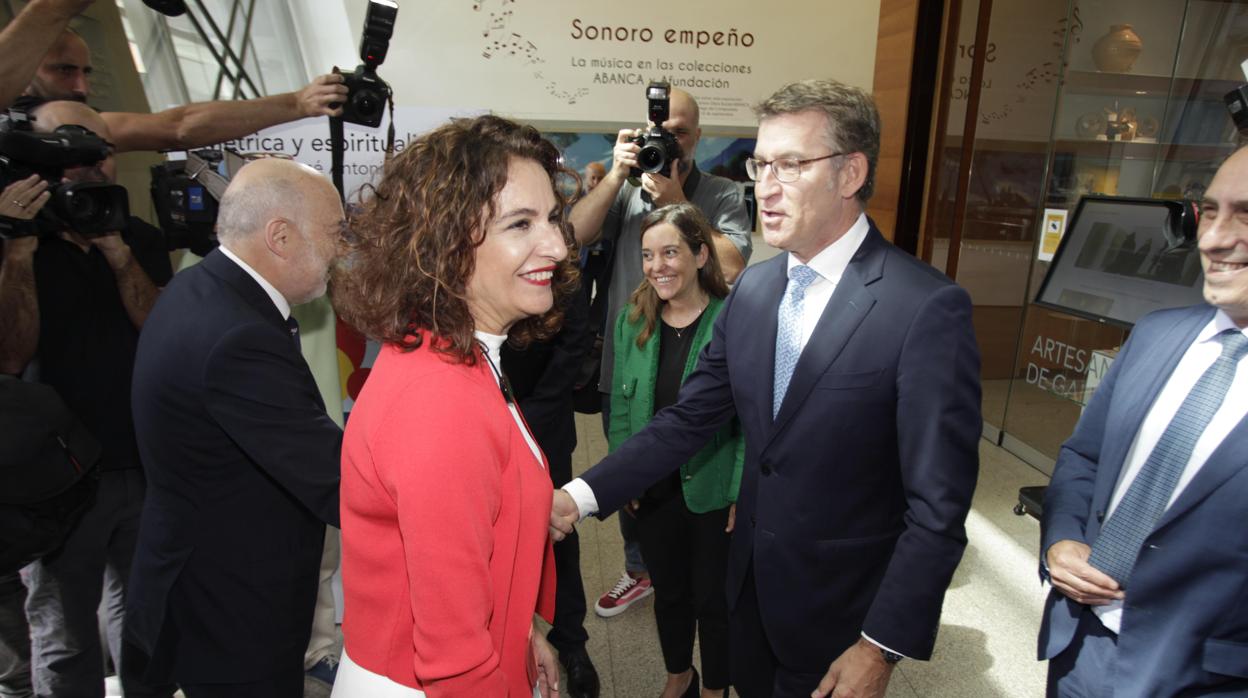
[882, 646]
[584, 497]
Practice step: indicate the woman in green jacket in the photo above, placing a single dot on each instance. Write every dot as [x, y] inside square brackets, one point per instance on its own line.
[684, 521]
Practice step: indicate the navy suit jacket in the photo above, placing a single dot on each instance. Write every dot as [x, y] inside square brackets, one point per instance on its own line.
[1185, 623]
[242, 467]
[853, 500]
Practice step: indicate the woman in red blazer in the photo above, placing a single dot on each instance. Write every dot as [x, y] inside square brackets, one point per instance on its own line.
[445, 494]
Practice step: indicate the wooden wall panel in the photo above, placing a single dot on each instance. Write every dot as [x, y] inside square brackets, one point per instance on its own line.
[893, 57]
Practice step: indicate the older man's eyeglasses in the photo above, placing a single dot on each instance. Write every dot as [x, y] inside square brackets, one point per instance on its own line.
[785, 169]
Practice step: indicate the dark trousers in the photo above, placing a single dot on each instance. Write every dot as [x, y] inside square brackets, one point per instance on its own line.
[1086, 667]
[567, 633]
[688, 558]
[756, 672]
[289, 686]
[633, 557]
[14, 639]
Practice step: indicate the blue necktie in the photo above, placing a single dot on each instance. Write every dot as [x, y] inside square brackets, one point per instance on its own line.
[293, 324]
[1148, 496]
[789, 331]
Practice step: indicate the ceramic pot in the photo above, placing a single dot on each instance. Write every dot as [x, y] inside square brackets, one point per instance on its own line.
[1116, 51]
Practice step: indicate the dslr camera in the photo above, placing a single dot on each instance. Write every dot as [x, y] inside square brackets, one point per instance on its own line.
[367, 93]
[90, 209]
[659, 148]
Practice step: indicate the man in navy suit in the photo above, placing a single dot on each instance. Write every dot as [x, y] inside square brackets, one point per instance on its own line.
[240, 455]
[854, 371]
[1143, 536]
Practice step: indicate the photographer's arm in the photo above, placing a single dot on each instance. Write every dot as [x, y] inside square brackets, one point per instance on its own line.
[208, 123]
[19, 307]
[25, 42]
[138, 293]
[588, 214]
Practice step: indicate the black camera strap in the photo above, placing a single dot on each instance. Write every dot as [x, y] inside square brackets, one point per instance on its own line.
[17, 228]
[337, 142]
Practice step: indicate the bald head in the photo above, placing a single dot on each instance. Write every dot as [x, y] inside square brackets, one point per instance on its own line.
[284, 219]
[266, 189]
[52, 115]
[684, 102]
[64, 72]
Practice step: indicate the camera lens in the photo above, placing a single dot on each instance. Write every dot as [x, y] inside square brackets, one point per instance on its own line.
[81, 206]
[366, 102]
[651, 158]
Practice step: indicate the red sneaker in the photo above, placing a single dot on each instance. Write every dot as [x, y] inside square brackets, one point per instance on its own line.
[627, 591]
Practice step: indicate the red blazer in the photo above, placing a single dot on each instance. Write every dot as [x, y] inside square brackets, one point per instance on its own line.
[445, 513]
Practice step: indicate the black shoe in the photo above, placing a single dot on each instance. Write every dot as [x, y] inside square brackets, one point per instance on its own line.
[582, 677]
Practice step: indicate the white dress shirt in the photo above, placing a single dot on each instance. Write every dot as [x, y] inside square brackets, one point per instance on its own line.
[1196, 360]
[283, 306]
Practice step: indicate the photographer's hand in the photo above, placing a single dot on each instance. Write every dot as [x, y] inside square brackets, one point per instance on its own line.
[316, 98]
[23, 198]
[663, 190]
[115, 250]
[624, 155]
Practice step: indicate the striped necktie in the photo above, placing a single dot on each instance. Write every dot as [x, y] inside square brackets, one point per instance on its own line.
[1148, 496]
[789, 331]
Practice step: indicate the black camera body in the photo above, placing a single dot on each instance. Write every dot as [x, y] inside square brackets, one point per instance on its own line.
[367, 93]
[187, 194]
[90, 209]
[659, 147]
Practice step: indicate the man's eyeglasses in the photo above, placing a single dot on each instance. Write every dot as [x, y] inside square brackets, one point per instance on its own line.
[785, 169]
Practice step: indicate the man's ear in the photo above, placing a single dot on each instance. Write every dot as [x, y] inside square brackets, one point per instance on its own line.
[852, 175]
[279, 233]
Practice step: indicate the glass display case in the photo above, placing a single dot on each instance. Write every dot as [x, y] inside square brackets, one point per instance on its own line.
[1117, 98]
[1139, 113]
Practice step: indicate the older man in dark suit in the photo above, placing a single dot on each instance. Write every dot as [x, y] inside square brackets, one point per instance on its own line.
[240, 455]
[1143, 533]
[854, 371]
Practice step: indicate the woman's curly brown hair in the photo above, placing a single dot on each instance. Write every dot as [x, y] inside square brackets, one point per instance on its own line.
[412, 245]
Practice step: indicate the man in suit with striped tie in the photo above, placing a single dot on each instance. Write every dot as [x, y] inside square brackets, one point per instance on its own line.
[1143, 534]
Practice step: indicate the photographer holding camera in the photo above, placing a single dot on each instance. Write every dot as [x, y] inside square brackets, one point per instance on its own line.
[66, 68]
[72, 303]
[661, 161]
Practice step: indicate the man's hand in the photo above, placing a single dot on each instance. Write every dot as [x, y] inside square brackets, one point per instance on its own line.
[23, 199]
[68, 8]
[115, 250]
[316, 98]
[732, 518]
[624, 155]
[547, 665]
[663, 190]
[1071, 574]
[563, 515]
[860, 672]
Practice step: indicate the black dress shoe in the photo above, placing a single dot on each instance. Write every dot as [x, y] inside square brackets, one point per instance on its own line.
[582, 677]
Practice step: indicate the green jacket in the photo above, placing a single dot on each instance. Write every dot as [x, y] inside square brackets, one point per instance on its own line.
[712, 478]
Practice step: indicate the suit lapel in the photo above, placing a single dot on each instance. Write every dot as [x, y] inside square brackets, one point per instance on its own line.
[849, 305]
[757, 310]
[225, 269]
[1138, 396]
[1227, 459]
